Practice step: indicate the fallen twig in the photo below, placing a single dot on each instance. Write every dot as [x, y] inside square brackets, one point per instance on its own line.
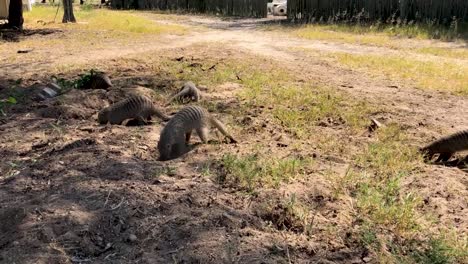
[117, 206]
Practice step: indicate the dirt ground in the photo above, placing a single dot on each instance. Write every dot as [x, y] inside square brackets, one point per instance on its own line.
[112, 202]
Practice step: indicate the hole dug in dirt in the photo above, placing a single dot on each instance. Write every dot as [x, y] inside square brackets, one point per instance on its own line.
[287, 215]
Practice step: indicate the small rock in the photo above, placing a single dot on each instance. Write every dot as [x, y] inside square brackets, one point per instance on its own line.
[367, 259]
[132, 238]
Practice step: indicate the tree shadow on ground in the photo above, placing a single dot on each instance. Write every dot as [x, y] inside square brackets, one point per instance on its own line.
[10, 35]
[91, 205]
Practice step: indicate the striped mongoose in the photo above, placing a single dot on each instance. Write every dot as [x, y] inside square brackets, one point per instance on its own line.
[175, 136]
[98, 81]
[137, 107]
[188, 91]
[446, 146]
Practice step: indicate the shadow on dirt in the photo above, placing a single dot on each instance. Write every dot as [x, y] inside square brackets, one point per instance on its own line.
[90, 204]
[106, 201]
[10, 35]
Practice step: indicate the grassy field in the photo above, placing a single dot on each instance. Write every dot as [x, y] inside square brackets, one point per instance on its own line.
[378, 35]
[390, 222]
[437, 75]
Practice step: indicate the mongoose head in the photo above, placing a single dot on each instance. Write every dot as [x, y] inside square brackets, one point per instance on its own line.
[164, 151]
[169, 151]
[103, 116]
[426, 153]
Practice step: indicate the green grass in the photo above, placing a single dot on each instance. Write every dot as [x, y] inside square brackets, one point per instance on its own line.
[435, 75]
[376, 34]
[298, 106]
[329, 33]
[459, 53]
[439, 251]
[101, 20]
[382, 166]
[416, 31]
[254, 171]
[389, 220]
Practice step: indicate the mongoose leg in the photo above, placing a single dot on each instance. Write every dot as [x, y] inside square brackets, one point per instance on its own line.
[203, 134]
[140, 121]
[187, 137]
[444, 157]
[178, 150]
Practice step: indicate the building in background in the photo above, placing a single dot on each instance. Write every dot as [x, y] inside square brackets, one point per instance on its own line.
[4, 4]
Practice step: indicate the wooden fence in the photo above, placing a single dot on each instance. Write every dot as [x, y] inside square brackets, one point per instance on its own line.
[421, 10]
[243, 8]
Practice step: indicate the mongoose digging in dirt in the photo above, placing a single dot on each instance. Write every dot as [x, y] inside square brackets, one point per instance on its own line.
[137, 107]
[98, 81]
[176, 134]
[188, 91]
[446, 146]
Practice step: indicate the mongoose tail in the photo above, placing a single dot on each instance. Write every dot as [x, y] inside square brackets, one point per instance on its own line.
[446, 146]
[215, 122]
[157, 112]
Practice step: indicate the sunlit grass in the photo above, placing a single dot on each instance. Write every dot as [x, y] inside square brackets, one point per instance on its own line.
[374, 35]
[101, 20]
[435, 75]
[257, 170]
[329, 33]
[445, 52]
[390, 222]
[298, 106]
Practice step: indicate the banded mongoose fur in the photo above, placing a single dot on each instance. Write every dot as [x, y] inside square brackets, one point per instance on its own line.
[176, 134]
[446, 146]
[137, 107]
[98, 81]
[188, 91]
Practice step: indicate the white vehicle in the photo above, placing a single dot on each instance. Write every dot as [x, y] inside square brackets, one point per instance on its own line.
[277, 7]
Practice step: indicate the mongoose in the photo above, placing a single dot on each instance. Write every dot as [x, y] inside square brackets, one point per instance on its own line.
[176, 134]
[137, 107]
[188, 91]
[98, 81]
[446, 146]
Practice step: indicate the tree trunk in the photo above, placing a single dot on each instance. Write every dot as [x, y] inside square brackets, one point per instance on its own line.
[68, 15]
[15, 14]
